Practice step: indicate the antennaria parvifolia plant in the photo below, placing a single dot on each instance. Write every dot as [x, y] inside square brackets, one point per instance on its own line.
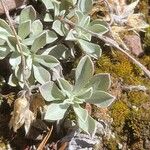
[36, 54]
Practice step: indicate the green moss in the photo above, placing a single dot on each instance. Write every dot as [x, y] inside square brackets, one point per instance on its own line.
[147, 38]
[119, 112]
[137, 128]
[129, 126]
[146, 60]
[137, 97]
[111, 144]
[120, 67]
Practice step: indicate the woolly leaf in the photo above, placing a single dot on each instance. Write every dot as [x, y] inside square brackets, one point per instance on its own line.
[85, 93]
[36, 28]
[101, 99]
[57, 26]
[55, 112]
[48, 17]
[4, 25]
[91, 49]
[89, 126]
[46, 60]
[99, 82]
[51, 92]
[24, 29]
[85, 5]
[59, 51]
[39, 42]
[40, 74]
[80, 112]
[98, 28]
[14, 60]
[28, 13]
[4, 51]
[64, 85]
[83, 73]
[50, 37]
[48, 4]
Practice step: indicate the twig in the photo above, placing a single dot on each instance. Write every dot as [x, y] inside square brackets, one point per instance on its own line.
[135, 88]
[19, 45]
[109, 41]
[42, 144]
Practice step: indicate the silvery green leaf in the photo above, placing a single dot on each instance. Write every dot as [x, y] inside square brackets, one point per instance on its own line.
[84, 36]
[84, 22]
[21, 84]
[100, 81]
[4, 34]
[71, 35]
[29, 41]
[50, 37]
[101, 99]
[85, 5]
[57, 26]
[18, 73]
[12, 80]
[55, 111]
[12, 39]
[4, 25]
[2, 42]
[12, 43]
[15, 60]
[64, 85]
[56, 8]
[39, 42]
[59, 51]
[4, 51]
[83, 73]
[85, 93]
[29, 62]
[73, 2]
[80, 112]
[57, 72]
[31, 78]
[40, 73]
[48, 4]
[24, 29]
[48, 17]
[46, 60]
[89, 48]
[66, 4]
[28, 13]
[36, 28]
[99, 21]
[25, 49]
[89, 126]
[98, 28]
[51, 92]
[78, 15]
[77, 100]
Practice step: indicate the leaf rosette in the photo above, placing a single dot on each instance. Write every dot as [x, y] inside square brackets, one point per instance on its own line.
[87, 89]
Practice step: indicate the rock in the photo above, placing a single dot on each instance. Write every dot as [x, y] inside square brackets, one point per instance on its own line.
[12, 4]
[76, 140]
[134, 44]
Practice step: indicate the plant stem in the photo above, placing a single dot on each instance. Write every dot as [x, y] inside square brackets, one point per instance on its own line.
[23, 62]
[109, 41]
[43, 143]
